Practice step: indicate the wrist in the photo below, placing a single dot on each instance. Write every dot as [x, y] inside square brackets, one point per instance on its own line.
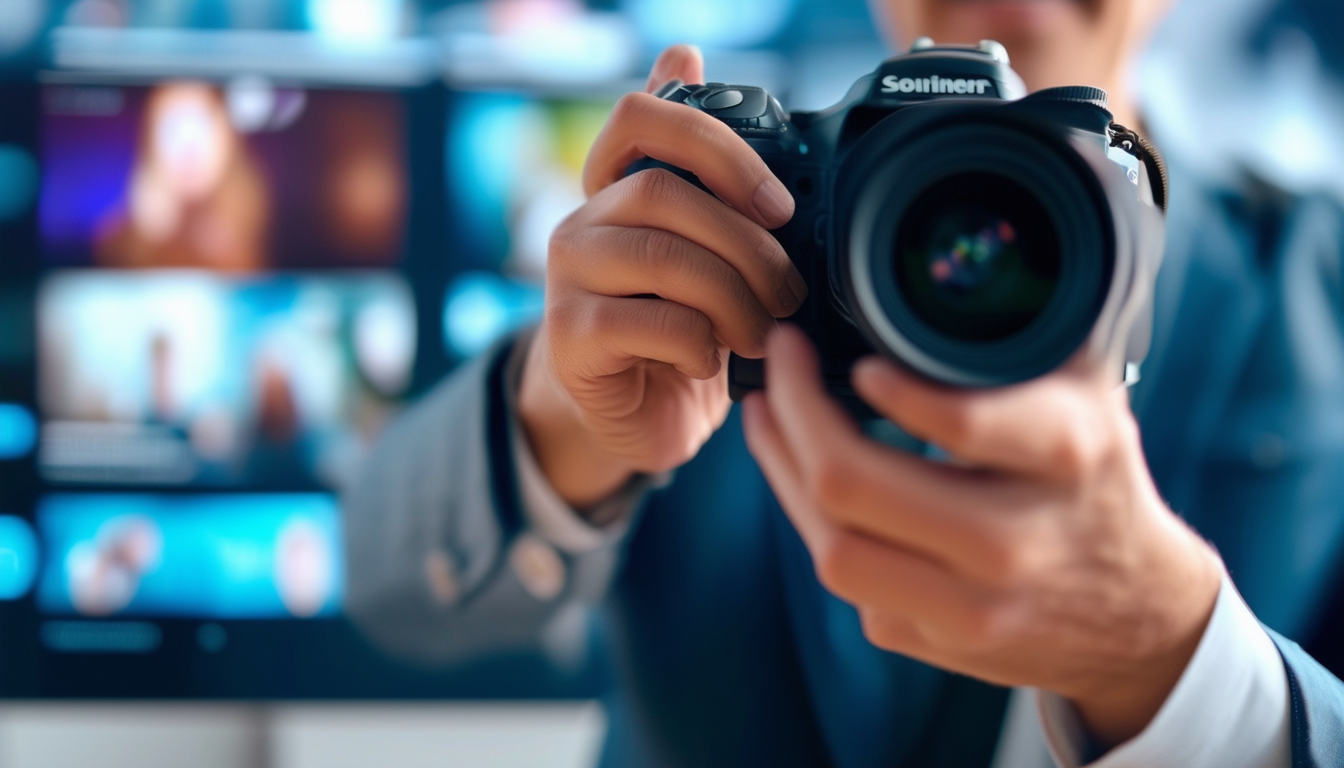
[581, 471]
[1122, 704]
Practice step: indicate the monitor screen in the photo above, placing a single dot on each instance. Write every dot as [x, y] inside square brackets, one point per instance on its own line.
[221, 292]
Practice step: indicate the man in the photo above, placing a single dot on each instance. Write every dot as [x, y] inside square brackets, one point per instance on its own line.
[1045, 558]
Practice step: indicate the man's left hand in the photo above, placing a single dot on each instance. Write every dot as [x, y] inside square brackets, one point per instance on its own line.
[1041, 555]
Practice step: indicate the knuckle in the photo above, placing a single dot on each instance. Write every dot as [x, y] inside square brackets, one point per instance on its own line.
[666, 322]
[1074, 454]
[1126, 428]
[880, 630]
[768, 253]
[833, 484]
[592, 320]
[657, 252]
[965, 425]
[700, 130]
[568, 343]
[1082, 444]
[833, 562]
[981, 627]
[654, 187]
[1008, 564]
[630, 107]
[991, 560]
[689, 328]
[996, 626]
[753, 320]
[560, 318]
[561, 246]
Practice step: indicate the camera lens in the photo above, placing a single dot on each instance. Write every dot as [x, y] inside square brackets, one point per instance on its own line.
[977, 257]
[979, 246]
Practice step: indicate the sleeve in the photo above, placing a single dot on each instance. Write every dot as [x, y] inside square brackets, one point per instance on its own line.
[457, 548]
[1230, 708]
[1316, 703]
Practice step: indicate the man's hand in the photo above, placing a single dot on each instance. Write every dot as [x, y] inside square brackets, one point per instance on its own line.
[1040, 556]
[648, 286]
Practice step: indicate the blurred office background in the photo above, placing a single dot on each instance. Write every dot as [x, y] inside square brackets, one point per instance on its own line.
[237, 235]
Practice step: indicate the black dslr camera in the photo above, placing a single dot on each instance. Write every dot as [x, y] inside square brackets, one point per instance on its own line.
[951, 222]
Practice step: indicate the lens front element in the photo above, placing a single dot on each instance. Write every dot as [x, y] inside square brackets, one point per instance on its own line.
[976, 257]
[979, 246]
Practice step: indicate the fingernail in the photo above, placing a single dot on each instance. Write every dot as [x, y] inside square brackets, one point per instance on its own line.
[661, 75]
[662, 68]
[773, 203]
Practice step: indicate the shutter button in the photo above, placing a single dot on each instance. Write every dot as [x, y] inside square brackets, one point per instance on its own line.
[723, 99]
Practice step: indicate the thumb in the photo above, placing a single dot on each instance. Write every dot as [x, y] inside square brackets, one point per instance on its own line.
[679, 62]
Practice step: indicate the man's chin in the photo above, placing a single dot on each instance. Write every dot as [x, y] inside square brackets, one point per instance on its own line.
[1011, 20]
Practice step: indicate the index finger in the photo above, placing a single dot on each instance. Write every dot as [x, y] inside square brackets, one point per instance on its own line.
[642, 125]
[677, 62]
[941, 510]
[1053, 427]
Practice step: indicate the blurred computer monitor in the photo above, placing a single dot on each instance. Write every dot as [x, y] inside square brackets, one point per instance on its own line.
[223, 288]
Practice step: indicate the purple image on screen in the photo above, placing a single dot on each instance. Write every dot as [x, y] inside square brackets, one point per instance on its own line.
[88, 149]
[245, 177]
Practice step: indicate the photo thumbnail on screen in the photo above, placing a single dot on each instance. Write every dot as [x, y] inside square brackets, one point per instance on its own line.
[197, 379]
[515, 171]
[228, 556]
[241, 177]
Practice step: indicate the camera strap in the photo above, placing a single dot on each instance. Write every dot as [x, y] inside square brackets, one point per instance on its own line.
[1130, 141]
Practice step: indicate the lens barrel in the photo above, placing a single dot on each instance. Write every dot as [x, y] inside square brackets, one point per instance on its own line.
[976, 257]
[978, 250]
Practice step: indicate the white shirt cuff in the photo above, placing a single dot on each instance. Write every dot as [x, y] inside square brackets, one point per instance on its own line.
[1230, 709]
[547, 514]
[557, 522]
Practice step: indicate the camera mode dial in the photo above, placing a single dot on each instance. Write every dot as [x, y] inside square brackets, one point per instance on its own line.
[741, 107]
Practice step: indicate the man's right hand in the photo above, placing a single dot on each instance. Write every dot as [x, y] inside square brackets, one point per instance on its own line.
[649, 285]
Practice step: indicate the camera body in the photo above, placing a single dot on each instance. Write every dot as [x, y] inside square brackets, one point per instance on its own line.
[946, 219]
